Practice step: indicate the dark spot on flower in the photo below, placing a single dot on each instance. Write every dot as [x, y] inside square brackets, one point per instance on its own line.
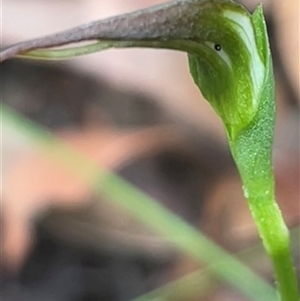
[218, 47]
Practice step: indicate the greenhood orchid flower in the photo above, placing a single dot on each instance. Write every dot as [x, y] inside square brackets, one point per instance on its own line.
[227, 48]
[230, 62]
[233, 67]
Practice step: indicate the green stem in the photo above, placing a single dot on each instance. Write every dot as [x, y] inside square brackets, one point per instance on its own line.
[252, 151]
[275, 236]
[258, 189]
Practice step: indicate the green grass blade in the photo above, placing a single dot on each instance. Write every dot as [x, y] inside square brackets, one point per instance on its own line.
[187, 239]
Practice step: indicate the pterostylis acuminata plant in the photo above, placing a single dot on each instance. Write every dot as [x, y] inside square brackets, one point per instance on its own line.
[230, 61]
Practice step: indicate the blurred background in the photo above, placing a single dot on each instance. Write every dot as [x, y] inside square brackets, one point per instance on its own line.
[138, 113]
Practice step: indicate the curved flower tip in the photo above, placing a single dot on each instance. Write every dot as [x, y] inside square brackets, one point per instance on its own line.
[227, 48]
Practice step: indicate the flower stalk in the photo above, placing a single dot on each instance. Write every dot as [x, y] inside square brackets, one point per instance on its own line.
[230, 62]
